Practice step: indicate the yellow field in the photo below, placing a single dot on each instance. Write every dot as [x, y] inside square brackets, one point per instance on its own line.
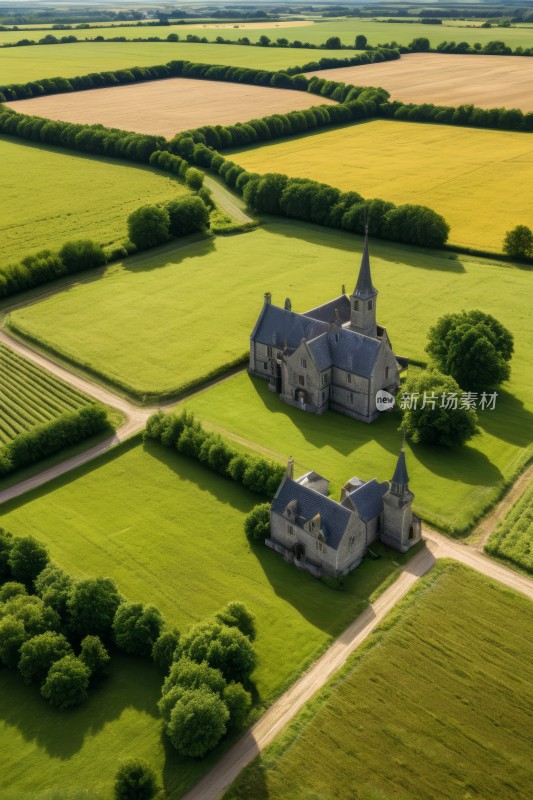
[481, 181]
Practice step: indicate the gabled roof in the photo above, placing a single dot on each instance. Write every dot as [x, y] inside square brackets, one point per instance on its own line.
[327, 312]
[279, 327]
[353, 352]
[309, 503]
[368, 499]
[320, 351]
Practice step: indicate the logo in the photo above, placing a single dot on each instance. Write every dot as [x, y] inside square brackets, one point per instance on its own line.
[384, 401]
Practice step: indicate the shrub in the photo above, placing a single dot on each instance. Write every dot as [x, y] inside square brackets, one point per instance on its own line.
[257, 523]
[187, 215]
[236, 615]
[238, 702]
[92, 606]
[66, 683]
[82, 254]
[39, 653]
[27, 559]
[95, 657]
[135, 780]
[136, 627]
[197, 723]
[164, 649]
[194, 178]
[417, 225]
[149, 226]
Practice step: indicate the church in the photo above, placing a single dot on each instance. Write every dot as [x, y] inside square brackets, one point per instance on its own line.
[335, 356]
[326, 537]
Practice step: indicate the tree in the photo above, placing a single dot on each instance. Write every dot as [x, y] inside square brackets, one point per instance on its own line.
[472, 347]
[12, 637]
[361, 42]
[236, 615]
[419, 45]
[197, 722]
[39, 653]
[333, 43]
[149, 226]
[257, 523]
[223, 648]
[194, 179]
[192, 675]
[264, 41]
[95, 657]
[11, 589]
[32, 612]
[427, 421]
[135, 780]
[66, 683]
[164, 649]
[136, 628]
[415, 224]
[26, 559]
[54, 586]
[6, 544]
[238, 702]
[187, 215]
[82, 254]
[518, 243]
[92, 606]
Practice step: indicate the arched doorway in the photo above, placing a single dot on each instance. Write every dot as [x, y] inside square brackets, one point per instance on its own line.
[299, 552]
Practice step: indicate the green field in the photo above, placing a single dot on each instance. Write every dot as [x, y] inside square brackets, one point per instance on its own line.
[461, 173]
[29, 396]
[21, 64]
[437, 704]
[313, 33]
[70, 196]
[170, 533]
[513, 538]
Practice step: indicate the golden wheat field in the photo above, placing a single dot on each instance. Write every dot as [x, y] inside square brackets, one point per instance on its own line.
[481, 181]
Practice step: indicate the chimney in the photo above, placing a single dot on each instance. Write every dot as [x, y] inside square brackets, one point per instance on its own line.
[289, 473]
[343, 289]
[288, 304]
[268, 297]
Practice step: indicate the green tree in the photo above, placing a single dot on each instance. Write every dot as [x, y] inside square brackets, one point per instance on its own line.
[361, 42]
[333, 43]
[66, 683]
[194, 179]
[6, 543]
[32, 612]
[197, 723]
[82, 254]
[92, 606]
[223, 648]
[95, 657]
[472, 347]
[135, 780]
[419, 45]
[187, 215]
[149, 226]
[27, 559]
[264, 41]
[39, 653]
[136, 627]
[237, 615]
[429, 422]
[192, 675]
[518, 243]
[54, 586]
[257, 523]
[239, 703]
[12, 637]
[11, 589]
[164, 649]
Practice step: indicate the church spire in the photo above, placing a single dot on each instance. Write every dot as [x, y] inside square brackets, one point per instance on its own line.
[400, 479]
[364, 288]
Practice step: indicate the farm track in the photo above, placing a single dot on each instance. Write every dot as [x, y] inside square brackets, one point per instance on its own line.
[226, 200]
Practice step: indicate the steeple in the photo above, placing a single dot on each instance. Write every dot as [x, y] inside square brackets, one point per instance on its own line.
[400, 479]
[363, 299]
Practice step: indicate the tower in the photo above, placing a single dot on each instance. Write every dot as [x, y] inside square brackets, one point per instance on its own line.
[363, 299]
[401, 528]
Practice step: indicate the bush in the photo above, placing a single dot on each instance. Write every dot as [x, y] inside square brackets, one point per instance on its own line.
[518, 243]
[149, 226]
[82, 254]
[164, 649]
[92, 607]
[197, 723]
[194, 179]
[236, 615]
[27, 559]
[417, 225]
[136, 628]
[238, 702]
[187, 215]
[66, 683]
[135, 780]
[39, 653]
[430, 423]
[257, 523]
[473, 347]
[95, 657]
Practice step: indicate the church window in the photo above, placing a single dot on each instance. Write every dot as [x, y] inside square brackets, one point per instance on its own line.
[356, 305]
[324, 379]
[348, 377]
[265, 364]
[303, 363]
[349, 397]
[269, 351]
[301, 380]
[351, 541]
[370, 305]
[290, 530]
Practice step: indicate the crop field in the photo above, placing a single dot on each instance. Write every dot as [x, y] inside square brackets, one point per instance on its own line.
[171, 533]
[96, 324]
[463, 174]
[92, 199]
[166, 107]
[21, 64]
[436, 704]
[447, 80]
[513, 539]
[29, 396]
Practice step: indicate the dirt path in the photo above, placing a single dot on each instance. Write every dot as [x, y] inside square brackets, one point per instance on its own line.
[226, 200]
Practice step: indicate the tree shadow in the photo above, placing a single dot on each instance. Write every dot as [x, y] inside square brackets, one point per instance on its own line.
[132, 683]
[174, 253]
[461, 464]
[510, 421]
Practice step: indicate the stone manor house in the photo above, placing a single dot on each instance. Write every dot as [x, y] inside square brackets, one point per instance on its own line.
[327, 537]
[334, 356]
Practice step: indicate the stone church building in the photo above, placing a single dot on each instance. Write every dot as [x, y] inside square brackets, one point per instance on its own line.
[327, 537]
[334, 356]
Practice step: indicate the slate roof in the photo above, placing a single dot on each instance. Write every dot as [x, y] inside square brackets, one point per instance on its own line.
[278, 326]
[320, 350]
[353, 352]
[326, 312]
[309, 503]
[368, 499]
[400, 473]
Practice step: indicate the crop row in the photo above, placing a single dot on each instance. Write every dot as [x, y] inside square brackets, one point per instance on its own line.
[513, 539]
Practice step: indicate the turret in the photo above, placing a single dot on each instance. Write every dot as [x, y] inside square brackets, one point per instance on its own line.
[401, 528]
[363, 299]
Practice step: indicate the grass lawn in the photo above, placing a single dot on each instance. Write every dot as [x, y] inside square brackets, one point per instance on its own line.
[29, 396]
[436, 704]
[70, 197]
[463, 174]
[170, 533]
[21, 64]
[513, 539]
